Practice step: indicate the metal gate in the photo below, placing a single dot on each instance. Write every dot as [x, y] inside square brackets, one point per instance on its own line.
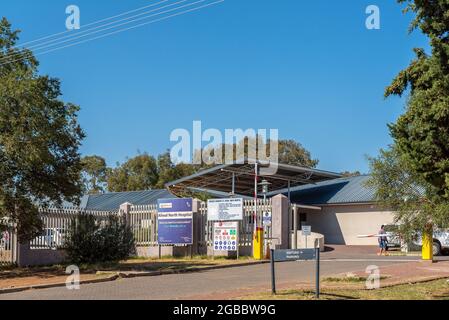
[8, 245]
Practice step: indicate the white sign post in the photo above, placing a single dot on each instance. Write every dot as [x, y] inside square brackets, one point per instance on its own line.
[225, 209]
[306, 231]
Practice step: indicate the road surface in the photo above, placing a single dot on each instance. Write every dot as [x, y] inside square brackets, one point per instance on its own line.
[207, 284]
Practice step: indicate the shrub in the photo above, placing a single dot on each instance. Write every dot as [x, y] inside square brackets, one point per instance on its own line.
[89, 241]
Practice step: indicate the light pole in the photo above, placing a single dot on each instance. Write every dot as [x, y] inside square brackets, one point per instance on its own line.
[265, 184]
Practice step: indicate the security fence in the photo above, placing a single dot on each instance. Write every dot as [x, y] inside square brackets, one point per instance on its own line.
[143, 222]
[8, 243]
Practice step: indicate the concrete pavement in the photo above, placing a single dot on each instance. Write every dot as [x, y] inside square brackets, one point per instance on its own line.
[211, 284]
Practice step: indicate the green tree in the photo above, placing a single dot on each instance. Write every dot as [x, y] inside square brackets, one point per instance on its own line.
[39, 138]
[293, 153]
[136, 174]
[412, 176]
[400, 188]
[94, 174]
[421, 134]
[289, 152]
[168, 171]
[347, 174]
[144, 172]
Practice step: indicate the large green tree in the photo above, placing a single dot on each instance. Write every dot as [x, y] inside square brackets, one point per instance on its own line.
[39, 138]
[412, 176]
[421, 134]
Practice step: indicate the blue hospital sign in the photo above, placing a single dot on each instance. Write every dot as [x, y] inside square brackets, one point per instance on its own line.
[175, 221]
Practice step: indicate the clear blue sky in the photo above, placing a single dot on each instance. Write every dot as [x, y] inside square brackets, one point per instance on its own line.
[308, 68]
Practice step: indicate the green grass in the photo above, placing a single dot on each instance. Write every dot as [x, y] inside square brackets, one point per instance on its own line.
[433, 290]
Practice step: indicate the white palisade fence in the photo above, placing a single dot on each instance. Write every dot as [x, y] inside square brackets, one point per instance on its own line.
[142, 220]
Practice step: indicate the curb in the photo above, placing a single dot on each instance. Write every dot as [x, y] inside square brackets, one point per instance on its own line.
[123, 275]
[183, 271]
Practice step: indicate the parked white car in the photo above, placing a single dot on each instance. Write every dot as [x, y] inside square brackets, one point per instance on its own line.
[49, 238]
[393, 238]
[440, 239]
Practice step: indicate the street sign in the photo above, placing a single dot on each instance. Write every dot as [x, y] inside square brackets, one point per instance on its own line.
[306, 230]
[175, 221]
[266, 218]
[226, 236]
[294, 255]
[225, 209]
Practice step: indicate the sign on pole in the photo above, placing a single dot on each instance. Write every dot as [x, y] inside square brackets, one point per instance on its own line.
[175, 221]
[266, 218]
[306, 230]
[296, 255]
[225, 209]
[226, 236]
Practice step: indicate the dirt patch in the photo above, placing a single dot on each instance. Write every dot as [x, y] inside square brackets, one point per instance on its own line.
[47, 279]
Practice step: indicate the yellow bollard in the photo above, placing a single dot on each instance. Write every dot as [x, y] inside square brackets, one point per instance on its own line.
[427, 244]
[258, 244]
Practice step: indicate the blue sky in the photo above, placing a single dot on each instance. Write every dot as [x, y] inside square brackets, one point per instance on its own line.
[308, 68]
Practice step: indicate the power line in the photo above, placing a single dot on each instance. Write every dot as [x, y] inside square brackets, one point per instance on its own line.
[119, 31]
[90, 24]
[78, 35]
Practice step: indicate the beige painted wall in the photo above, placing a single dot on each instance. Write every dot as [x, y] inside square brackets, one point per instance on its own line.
[341, 224]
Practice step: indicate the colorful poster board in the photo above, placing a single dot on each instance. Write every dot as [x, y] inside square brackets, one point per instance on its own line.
[226, 236]
[225, 209]
[175, 221]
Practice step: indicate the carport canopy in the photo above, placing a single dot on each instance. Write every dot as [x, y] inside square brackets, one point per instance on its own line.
[239, 178]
